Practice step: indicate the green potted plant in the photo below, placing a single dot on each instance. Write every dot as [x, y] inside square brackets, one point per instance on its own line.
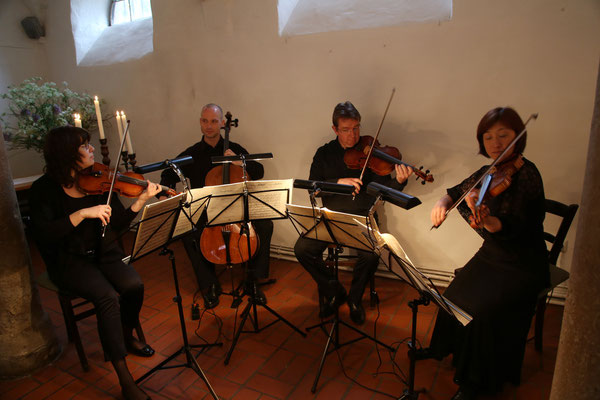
[34, 108]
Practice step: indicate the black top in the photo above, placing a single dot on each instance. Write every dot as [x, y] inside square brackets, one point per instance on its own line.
[201, 153]
[328, 165]
[520, 243]
[56, 236]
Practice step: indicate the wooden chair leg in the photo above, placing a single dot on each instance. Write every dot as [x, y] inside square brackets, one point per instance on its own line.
[539, 324]
[72, 331]
[68, 315]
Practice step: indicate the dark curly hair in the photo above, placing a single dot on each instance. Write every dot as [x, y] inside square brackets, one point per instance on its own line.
[344, 110]
[507, 117]
[61, 152]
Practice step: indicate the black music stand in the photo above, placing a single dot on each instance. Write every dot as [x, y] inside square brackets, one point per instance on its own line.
[155, 230]
[241, 203]
[341, 229]
[427, 293]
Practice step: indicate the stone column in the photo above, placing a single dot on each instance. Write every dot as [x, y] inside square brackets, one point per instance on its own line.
[577, 371]
[27, 339]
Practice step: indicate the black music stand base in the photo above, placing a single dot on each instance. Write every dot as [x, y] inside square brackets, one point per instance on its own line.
[186, 349]
[410, 393]
[251, 306]
[333, 340]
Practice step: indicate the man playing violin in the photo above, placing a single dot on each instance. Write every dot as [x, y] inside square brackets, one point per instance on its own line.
[212, 144]
[328, 165]
[67, 224]
[500, 284]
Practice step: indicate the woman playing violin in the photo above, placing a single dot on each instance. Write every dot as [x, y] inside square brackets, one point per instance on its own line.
[499, 285]
[67, 225]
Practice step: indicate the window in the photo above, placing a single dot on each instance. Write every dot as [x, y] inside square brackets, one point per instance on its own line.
[98, 43]
[123, 11]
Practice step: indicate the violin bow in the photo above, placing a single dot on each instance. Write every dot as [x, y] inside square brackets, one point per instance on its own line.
[115, 172]
[487, 171]
[377, 135]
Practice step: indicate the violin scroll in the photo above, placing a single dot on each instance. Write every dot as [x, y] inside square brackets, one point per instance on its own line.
[424, 176]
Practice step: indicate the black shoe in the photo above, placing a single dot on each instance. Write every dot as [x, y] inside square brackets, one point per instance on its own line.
[255, 292]
[465, 393]
[211, 296]
[331, 304]
[145, 351]
[357, 312]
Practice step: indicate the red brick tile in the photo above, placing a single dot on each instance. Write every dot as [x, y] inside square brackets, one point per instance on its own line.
[247, 394]
[22, 387]
[278, 363]
[270, 386]
[275, 363]
[68, 391]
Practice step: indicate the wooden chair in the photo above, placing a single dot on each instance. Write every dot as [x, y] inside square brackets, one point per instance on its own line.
[557, 275]
[74, 309]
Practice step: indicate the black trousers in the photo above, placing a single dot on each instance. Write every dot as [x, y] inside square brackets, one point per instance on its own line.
[309, 253]
[115, 289]
[205, 270]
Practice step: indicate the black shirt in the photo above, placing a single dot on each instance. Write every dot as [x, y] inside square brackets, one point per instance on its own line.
[55, 234]
[328, 165]
[201, 153]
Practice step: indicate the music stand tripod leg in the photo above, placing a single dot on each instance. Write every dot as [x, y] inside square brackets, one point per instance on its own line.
[245, 314]
[191, 361]
[333, 332]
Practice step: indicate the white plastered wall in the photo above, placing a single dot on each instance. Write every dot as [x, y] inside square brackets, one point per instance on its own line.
[537, 56]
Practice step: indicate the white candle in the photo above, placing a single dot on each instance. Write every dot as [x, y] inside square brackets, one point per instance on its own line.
[119, 128]
[99, 117]
[77, 120]
[128, 138]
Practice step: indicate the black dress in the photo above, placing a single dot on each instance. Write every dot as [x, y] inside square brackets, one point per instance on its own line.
[79, 261]
[498, 287]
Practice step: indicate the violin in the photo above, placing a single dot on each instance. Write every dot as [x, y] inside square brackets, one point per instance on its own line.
[495, 181]
[227, 244]
[382, 161]
[97, 179]
[360, 155]
[497, 161]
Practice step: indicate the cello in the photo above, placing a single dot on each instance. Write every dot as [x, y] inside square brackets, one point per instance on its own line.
[230, 243]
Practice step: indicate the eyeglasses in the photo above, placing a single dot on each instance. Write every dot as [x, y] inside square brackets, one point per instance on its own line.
[85, 146]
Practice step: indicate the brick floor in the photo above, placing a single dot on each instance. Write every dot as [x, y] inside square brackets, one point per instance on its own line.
[274, 363]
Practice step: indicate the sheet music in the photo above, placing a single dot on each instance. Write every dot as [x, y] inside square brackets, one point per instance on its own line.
[198, 198]
[266, 200]
[226, 204]
[348, 229]
[412, 275]
[155, 226]
[303, 218]
[273, 195]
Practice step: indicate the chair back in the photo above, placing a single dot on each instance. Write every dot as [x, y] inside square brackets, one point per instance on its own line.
[567, 212]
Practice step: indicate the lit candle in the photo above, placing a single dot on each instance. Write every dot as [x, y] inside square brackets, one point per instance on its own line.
[119, 128]
[99, 117]
[77, 120]
[128, 138]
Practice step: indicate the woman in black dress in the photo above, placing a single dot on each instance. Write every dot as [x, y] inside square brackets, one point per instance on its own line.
[499, 285]
[67, 226]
